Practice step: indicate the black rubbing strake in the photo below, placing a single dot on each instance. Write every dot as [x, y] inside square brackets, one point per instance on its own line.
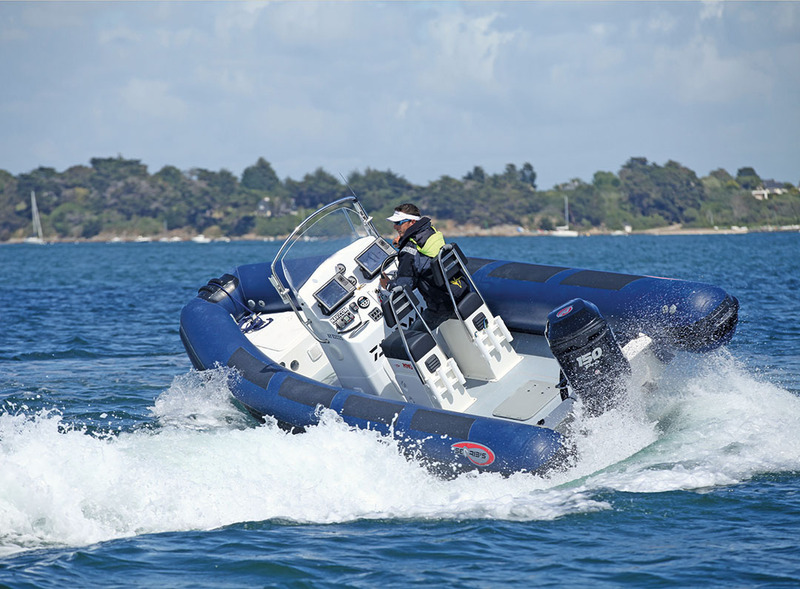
[307, 393]
[597, 279]
[432, 422]
[375, 410]
[526, 272]
[251, 368]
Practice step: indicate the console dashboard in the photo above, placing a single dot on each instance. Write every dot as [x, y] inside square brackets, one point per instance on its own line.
[333, 298]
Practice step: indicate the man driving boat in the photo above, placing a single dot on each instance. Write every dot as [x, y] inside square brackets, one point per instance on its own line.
[418, 244]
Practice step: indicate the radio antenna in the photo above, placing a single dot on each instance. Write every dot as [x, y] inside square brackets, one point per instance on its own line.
[360, 208]
[346, 183]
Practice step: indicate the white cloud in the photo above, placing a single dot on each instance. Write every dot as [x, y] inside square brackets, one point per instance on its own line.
[227, 79]
[599, 29]
[402, 109]
[152, 98]
[11, 31]
[175, 39]
[312, 24]
[236, 18]
[712, 9]
[466, 50]
[662, 23]
[118, 35]
[788, 17]
[699, 74]
[53, 16]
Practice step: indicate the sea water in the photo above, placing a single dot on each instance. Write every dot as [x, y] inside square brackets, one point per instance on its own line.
[122, 466]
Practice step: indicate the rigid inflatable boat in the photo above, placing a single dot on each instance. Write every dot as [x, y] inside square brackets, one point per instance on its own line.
[493, 388]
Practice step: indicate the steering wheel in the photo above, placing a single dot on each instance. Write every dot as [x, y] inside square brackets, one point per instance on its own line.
[389, 259]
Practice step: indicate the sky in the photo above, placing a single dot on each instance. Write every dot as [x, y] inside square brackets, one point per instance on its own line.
[424, 89]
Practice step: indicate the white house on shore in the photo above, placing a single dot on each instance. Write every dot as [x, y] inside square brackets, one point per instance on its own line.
[768, 187]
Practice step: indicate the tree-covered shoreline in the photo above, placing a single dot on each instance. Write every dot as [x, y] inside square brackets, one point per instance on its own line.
[119, 197]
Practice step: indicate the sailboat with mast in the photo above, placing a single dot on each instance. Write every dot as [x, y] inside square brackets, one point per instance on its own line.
[564, 230]
[38, 235]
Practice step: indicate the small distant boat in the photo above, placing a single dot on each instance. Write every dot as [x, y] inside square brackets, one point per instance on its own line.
[38, 235]
[201, 239]
[564, 230]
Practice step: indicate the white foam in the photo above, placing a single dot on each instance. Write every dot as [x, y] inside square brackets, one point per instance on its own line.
[198, 400]
[718, 425]
[205, 466]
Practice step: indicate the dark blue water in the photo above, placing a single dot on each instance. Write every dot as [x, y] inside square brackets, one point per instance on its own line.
[120, 466]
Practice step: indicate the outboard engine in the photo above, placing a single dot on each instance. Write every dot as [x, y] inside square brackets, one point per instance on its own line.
[221, 291]
[588, 354]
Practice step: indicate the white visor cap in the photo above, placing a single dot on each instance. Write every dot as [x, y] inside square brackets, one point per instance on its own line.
[399, 217]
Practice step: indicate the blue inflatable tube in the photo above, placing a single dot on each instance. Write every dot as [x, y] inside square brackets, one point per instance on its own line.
[680, 314]
[449, 441]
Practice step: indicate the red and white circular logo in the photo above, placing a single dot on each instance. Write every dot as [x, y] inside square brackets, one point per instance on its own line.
[564, 311]
[477, 454]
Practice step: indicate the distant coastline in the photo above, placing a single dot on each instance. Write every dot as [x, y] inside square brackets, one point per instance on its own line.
[119, 199]
[449, 228]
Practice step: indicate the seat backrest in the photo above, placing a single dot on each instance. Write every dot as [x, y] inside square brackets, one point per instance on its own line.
[404, 303]
[470, 303]
[419, 343]
[450, 259]
[450, 271]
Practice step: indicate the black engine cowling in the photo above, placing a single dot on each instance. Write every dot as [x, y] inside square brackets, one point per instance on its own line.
[587, 351]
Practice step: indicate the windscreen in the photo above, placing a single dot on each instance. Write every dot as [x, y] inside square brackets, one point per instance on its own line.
[333, 231]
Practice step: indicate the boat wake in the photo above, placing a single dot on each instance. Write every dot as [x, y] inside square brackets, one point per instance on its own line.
[716, 424]
[204, 464]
